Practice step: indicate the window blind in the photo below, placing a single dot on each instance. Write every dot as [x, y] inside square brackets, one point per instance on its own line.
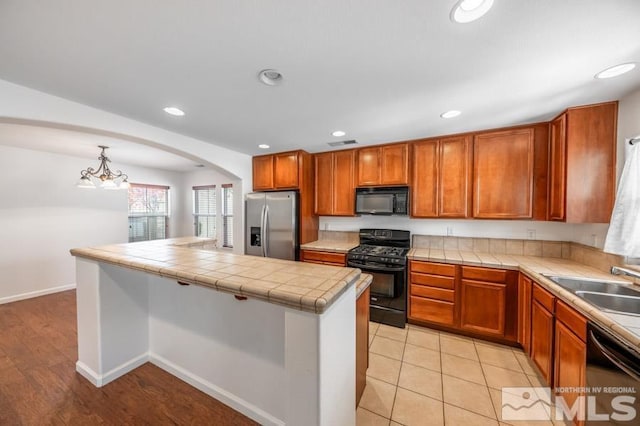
[204, 211]
[148, 212]
[227, 215]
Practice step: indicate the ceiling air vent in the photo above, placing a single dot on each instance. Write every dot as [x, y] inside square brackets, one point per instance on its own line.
[340, 143]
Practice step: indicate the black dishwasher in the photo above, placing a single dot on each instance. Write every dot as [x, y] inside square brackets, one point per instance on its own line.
[613, 380]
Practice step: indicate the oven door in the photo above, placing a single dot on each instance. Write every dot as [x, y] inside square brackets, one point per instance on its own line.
[388, 303]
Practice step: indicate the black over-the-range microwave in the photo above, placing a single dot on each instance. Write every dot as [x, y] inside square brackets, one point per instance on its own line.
[383, 200]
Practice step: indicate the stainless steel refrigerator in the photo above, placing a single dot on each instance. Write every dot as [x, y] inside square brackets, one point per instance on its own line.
[272, 224]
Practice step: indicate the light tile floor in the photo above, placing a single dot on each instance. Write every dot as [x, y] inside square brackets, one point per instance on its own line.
[419, 376]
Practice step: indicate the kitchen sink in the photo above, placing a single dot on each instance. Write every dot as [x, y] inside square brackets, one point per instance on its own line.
[612, 302]
[607, 295]
[585, 284]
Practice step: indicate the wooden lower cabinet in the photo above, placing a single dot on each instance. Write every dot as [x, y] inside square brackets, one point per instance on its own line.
[570, 353]
[432, 292]
[542, 332]
[362, 343]
[524, 312]
[323, 257]
[478, 301]
[483, 306]
[488, 302]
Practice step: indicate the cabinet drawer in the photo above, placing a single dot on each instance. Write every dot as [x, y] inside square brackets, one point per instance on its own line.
[433, 268]
[432, 293]
[543, 297]
[431, 310]
[484, 274]
[323, 256]
[432, 280]
[572, 319]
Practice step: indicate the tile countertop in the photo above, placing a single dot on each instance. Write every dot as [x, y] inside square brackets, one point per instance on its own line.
[626, 327]
[304, 286]
[330, 246]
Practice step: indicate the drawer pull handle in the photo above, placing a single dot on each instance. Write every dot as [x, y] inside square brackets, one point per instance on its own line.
[240, 297]
[183, 283]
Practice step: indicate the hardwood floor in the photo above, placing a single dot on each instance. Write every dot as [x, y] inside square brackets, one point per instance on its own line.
[39, 385]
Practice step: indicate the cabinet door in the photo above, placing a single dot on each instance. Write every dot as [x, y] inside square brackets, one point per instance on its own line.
[570, 362]
[524, 313]
[394, 164]
[263, 172]
[542, 340]
[369, 166]
[286, 170]
[324, 183]
[343, 187]
[424, 182]
[557, 164]
[483, 307]
[362, 342]
[454, 183]
[503, 174]
[591, 163]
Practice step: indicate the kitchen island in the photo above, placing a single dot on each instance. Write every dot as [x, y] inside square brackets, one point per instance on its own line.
[273, 339]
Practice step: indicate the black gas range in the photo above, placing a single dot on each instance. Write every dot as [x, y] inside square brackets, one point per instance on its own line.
[383, 254]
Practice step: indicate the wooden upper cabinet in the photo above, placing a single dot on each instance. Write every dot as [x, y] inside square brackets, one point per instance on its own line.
[557, 163]
[263, 172]
[454, 178]
[441, 178]
[583, 170]
[334, 180]
[277, 171]
[324, 183]
[344, 165]
[503, 169]
[286, 170]
[383, 165]
[424, 181]
[394, 167]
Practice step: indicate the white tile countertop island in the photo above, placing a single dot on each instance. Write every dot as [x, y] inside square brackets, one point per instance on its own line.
[272, 339]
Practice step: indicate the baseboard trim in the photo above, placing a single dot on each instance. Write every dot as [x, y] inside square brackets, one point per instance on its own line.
[37, 293]
[216, 392]
[100, 380]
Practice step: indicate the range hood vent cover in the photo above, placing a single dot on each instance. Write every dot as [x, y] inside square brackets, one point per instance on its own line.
[340, 143]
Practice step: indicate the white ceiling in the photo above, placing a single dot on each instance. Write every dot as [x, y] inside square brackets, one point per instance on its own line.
[85, 145]
[381, 70]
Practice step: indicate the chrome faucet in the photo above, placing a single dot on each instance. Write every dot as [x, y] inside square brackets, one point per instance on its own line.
[616, 270]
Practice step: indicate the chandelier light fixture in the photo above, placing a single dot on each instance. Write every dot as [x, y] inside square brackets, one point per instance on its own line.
[107, 178]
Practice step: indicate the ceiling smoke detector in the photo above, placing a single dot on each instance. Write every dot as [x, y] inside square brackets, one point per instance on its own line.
[340, 143]
[270, 77]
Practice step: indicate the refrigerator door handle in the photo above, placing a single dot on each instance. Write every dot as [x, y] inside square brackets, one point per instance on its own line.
[265, 240]
[262, 226]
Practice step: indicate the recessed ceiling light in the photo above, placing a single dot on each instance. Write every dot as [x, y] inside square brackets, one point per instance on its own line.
[450, 114]
[338, 133]
[270, 77]
[616, 71]
[263, 146]
[174, 111]
[469, 10]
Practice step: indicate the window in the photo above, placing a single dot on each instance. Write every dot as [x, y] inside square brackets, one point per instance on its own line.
[227, 215]
[204, 211]
[148, 212]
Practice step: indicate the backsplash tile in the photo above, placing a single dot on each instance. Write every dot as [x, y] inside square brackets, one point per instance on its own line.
[341, 236]
[467, 246]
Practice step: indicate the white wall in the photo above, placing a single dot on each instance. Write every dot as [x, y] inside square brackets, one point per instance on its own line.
[43, 215]
[212, 177]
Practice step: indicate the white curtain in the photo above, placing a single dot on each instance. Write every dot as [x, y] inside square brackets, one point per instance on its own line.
[623, 236]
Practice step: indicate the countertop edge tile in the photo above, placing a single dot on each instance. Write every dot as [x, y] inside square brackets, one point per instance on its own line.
[165, 257]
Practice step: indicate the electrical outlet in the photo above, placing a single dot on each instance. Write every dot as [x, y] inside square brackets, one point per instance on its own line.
[449, 231]
[531, 234]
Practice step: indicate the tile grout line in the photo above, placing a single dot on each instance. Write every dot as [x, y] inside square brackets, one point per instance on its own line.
[395, 394]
